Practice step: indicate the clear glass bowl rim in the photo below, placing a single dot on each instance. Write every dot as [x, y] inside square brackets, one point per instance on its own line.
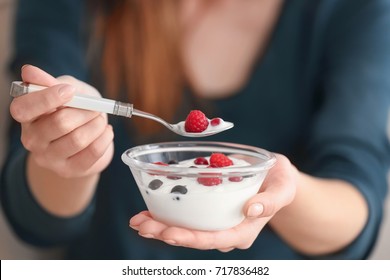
[268, 159]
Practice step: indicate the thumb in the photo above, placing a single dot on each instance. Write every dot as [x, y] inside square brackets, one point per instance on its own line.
[265, 204]
[277, 190]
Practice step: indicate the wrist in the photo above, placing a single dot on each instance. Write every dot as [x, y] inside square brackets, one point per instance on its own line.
[60, 196]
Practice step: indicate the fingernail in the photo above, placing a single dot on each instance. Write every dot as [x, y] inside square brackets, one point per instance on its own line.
[255, 210]
[24, 66]
[171, 242]
[134, 227]
[147, 235]
[66, 91]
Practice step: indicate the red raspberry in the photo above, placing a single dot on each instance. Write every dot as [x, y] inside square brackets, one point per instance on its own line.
[213, 181]
[236, 179]
[220, 160]
[201, 161]
[210, 181]
[196, 121]
[215, 122]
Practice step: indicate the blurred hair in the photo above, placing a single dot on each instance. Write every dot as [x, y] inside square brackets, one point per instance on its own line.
[141, 54]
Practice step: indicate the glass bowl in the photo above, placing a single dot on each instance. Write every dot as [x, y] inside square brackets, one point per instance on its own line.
[179, 192]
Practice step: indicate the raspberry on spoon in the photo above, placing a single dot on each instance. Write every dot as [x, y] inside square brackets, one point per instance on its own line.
[196, 121]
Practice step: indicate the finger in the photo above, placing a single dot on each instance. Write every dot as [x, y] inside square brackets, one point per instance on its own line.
[147, 226]
[88, 160]
[203, 240]
[80, 164]
[78, 139]
[266, 204]
[240, 237]
[277, 191]
[35, 75]
[151, 228]
[81, 86]
[40, 133]
[28, 107]
[138, 219]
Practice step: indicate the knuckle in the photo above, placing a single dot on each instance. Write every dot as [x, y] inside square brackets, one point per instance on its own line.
[110, 133]
[62, 121]
[50, 100]
[80, 85]
[27, 141]
[269, 208]
[245, 246]
[17, 111]
[67, 79]
[77, 141]
[95, 150]
[100, 123]
[212, 243]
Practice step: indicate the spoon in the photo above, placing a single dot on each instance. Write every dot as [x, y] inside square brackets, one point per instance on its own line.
[118, 108]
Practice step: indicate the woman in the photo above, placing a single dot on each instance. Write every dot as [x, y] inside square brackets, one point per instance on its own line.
[305, 79]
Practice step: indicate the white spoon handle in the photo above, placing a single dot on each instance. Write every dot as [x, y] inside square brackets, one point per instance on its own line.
[80, 101]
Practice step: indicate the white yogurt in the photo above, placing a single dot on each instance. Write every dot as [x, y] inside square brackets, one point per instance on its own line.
[201, 207]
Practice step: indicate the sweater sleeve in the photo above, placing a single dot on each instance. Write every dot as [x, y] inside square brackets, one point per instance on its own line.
[349, 137]
[47, 34]
[28, 219]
